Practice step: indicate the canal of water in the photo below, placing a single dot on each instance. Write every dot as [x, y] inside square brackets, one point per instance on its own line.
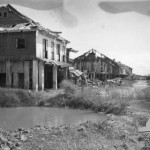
[27, 117]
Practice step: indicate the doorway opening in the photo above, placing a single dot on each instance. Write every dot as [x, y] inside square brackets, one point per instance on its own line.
[48, 76]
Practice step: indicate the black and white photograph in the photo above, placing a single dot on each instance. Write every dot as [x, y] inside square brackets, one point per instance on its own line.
[74, 74]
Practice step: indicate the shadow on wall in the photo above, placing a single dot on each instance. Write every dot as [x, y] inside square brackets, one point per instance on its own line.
[57, 6]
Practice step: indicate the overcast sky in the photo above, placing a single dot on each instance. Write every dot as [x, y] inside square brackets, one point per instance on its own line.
[118, 30]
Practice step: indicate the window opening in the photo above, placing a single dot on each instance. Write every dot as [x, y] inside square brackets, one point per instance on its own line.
[52, 50]
[45, 48]
[58, 51]
[63, 51]
[5, 14]
[20, 43]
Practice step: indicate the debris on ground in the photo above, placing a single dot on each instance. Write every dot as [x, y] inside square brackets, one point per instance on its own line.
[113, 132]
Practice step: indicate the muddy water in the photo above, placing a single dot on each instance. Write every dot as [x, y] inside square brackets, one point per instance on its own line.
[27, 117]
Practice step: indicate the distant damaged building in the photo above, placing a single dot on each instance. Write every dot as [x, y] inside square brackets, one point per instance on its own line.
[95, 65]
[31, 56]
[124, 70]
[99, 66]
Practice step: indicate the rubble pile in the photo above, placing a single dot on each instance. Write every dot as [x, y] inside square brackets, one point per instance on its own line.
[12, 140]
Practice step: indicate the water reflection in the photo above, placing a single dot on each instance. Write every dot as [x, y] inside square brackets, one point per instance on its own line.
[13, 118]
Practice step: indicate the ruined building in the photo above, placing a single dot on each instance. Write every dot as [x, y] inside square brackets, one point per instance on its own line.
[99, 66]
[31, 56]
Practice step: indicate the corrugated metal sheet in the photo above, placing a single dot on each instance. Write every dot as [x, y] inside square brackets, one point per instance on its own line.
[54, 62]
[18, 27]
[76, 72]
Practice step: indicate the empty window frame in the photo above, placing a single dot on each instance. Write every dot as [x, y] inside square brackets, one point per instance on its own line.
[58, 51]
[52, 50]
[20, 43]
[45, 48]
[63, 58]
[5, 14]
[63, 54]
[0, 14]
[30, 74]
[2, 79]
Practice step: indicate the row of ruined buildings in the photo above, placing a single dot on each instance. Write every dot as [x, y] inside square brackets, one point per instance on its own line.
[34, 57]
[98, 66]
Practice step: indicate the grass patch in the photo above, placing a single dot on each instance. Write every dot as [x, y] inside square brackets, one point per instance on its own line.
[10, 97]
[17, 97]
[111, 100]
[96, 99]
[144, 94]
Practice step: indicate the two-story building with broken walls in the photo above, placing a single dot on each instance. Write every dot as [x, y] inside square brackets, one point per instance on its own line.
[95, 64]
[31, 56]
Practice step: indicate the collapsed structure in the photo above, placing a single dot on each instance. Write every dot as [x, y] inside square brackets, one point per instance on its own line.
[99, 66]
[31, 56]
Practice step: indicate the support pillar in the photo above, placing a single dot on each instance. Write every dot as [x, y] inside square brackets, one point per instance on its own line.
[80, 65]
[66, 73]
[26, 74]
[35, 75]
[15, 80]
[55, 77]
[8, 73]
[41, 76]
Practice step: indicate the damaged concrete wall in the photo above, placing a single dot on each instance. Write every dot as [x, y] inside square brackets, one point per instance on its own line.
[39, 46]
[9, 44]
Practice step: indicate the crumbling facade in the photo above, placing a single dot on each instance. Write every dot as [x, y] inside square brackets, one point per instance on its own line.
[99, 66]
[124, 70]
[31, 56]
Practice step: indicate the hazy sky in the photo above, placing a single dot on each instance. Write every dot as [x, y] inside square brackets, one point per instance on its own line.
[119, 30]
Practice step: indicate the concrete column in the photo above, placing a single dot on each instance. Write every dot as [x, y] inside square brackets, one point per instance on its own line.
[55, 77]
[41, 76]
[8, 73]
[15, 80]
[80, 65]
[66, 73]
[26, 74]
[35, 75]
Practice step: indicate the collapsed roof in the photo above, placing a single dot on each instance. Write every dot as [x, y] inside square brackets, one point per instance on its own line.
[29, 26]
[97, 55]
[77, 73]
[55, 63]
